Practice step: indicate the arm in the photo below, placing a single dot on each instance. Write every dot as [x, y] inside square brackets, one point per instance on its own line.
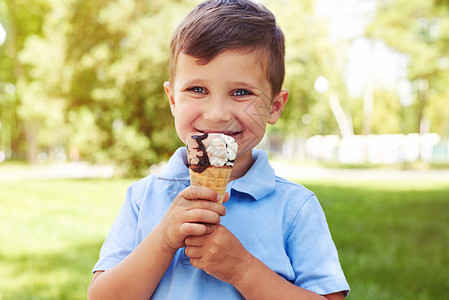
[260, 282]
[222, 255]
[137, 276]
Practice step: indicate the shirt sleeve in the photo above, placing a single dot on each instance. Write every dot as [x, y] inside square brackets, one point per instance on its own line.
[313, 253]
[121, 239]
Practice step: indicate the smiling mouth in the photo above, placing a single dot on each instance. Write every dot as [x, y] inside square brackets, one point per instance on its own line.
[226, 132]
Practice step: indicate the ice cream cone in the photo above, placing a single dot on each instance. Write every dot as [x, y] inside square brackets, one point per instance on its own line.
[215, 178]
[211, 158]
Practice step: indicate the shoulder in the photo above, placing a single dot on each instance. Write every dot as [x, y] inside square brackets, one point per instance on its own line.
[141, 184]
[297, 200]
[157, 187]
[140, 188]
[282, 182]
[292, 189]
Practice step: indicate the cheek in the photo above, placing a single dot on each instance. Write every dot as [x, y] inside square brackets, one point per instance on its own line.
[255, 117]
[181, 123]
[185, 115]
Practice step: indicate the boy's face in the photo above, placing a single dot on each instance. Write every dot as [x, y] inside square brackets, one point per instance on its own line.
[230, 95]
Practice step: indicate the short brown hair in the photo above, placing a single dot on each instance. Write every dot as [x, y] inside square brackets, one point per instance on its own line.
[215, 26]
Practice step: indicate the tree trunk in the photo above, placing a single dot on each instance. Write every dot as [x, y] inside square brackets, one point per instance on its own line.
[423, 87]
[368, 104]
[31, 138]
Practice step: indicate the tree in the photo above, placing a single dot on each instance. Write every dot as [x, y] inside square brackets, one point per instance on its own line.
[103, 63]
[420, 29]
[309, 54]
[21, 19]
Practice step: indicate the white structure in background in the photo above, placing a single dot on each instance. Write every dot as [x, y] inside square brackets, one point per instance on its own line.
[316, 151]
[352, 150]
[384, 149]
[377, 149]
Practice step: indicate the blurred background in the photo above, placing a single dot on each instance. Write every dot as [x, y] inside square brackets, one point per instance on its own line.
[81, 96]
[82, 81]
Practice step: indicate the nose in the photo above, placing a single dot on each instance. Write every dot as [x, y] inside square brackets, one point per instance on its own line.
[217, 110]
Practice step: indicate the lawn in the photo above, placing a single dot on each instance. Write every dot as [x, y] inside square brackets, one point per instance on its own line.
[51, 233]
[393, 237]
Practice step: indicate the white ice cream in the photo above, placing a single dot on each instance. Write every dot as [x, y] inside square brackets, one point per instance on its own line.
[222, 150]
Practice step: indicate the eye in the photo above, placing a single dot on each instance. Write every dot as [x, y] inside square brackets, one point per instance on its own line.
[197, 89]
[241, 92]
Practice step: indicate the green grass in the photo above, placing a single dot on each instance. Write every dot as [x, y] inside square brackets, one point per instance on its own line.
[392, 237]
[51, 233]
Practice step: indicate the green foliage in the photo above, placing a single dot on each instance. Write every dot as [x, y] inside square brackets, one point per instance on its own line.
[21, 19]
[386, 113]
[102, 64]
[87, 76]
[309, 54]
[420, 29]
[93, 74]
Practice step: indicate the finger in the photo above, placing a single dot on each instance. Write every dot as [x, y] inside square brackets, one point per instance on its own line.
[193, 251]
[200, 240]
[202, 216]
[193, 229]
[196, 241]
[208, 205]
[196, 262]
[195, 192]
[226, 197]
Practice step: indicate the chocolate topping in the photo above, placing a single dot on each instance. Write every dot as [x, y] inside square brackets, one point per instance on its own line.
[203, 159]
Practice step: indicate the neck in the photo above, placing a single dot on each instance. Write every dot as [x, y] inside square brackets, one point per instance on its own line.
[241, 165]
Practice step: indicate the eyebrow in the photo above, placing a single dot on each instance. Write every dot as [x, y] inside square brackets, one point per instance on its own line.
[193, 82]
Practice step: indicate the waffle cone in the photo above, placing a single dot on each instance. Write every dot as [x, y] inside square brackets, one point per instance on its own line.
[215, 178]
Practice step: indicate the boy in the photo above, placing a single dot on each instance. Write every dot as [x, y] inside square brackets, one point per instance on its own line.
[270, 240]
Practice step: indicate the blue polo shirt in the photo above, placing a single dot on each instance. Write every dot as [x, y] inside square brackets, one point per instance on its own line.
[278, 221]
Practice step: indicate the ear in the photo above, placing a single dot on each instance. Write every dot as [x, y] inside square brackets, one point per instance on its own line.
[171, 99]
[279, 102]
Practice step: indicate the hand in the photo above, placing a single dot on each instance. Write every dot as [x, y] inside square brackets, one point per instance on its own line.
[219, 253]
[192, 213]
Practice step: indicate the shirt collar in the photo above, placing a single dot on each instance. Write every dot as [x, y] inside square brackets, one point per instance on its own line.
[177, 167]
[258, 182]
